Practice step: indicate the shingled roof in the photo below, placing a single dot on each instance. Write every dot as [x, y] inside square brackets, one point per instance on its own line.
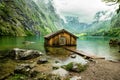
[57, 32]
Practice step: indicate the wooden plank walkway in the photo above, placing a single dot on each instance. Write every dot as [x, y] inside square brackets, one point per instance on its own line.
[83, 54]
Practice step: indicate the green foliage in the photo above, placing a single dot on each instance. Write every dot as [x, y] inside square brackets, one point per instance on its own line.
[113, 32]
[81, 67]
[44, 76]
[70, 66]
[111, 0]
[17, 77]
[115, 22]
[2, 6]
[25, 17]
[81, 34]
[8, 29]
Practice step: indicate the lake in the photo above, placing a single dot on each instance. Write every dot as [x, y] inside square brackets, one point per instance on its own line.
[90, 44]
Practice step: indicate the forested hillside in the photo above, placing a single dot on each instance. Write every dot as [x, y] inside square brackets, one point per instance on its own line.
[105, 23]
[27, 17]
[39, 17]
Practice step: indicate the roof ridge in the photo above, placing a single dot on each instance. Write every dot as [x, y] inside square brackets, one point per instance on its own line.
[57, 32]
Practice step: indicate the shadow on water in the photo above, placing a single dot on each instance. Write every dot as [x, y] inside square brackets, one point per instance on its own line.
[64, 55]
[58, 51]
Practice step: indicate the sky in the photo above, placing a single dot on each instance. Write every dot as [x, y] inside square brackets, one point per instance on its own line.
[84, 9]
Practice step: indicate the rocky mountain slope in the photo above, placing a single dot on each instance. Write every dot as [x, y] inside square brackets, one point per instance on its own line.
[106, 23]
[73, 24]
[27, 17]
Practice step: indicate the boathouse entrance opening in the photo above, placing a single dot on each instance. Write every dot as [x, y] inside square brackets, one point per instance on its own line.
[62, 40]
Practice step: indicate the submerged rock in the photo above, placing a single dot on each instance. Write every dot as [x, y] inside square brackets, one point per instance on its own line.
[22, 68]
[27, 42]
[42, 61]
[23, 54]
[57, 61]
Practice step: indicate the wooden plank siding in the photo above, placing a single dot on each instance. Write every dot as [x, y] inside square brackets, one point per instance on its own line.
[70, 40]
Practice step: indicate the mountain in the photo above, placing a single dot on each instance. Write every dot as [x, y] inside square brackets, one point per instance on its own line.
[39, 17]
[115, 26]
[27, 17]
[72, 24]
[109, 26]
[99, 27]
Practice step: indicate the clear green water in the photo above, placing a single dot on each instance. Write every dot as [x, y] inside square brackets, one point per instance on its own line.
[7, 43]
[92, 45]
[98, 46]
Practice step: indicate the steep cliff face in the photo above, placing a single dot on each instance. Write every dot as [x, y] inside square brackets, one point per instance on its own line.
[27, 17]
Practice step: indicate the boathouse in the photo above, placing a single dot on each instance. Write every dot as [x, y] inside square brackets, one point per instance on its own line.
[60, 38]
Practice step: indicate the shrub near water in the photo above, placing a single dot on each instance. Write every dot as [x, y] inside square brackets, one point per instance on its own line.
[75, 67]
[81, 67]
[17, 77]
[69, 66]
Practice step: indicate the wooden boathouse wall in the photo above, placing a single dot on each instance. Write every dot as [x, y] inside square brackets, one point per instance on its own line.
[60, 38]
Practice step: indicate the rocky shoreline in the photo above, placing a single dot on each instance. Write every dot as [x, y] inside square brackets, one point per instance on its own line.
[33, 65]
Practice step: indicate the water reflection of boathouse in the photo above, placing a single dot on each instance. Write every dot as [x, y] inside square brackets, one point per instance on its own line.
[55, 40]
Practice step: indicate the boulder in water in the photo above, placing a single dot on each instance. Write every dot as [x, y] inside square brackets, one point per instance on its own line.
[23, 54]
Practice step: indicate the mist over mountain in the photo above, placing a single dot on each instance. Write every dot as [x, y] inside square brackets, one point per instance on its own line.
[73, 24]
[100, 24]
[40, 17]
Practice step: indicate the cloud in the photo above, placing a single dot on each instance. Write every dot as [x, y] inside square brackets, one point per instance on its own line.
[84, 9]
